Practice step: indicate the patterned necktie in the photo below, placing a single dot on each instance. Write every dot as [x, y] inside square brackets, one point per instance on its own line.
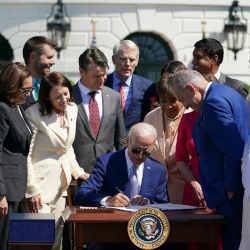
[36, 91]
[134, 186]
[94, 116]
[122, 84]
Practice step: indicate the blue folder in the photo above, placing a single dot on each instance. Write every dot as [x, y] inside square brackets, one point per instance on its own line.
[32, 227]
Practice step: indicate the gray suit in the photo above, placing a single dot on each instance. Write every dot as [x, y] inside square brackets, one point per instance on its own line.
[237, 85]
[111, 134]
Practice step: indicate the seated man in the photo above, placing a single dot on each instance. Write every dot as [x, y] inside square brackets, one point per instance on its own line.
[127, 176]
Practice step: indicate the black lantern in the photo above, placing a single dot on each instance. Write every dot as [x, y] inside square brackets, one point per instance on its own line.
[235, 28]
[58, 26]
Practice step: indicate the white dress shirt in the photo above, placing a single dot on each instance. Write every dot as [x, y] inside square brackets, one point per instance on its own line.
[86, 98]
[139, 173]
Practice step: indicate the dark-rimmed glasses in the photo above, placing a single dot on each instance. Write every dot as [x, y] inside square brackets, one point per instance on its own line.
[26, 91]
[137, 150]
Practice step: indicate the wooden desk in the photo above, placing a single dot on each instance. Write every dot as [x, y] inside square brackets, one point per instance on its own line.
[30, 246]
[193, 226]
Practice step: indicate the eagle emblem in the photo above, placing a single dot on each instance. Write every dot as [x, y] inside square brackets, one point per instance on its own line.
[148, 228]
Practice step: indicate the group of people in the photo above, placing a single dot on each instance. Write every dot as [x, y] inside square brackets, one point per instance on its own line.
[103, 129]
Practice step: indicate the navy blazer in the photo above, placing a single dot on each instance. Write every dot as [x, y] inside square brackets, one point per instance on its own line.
[219, 134]
[142, 90]
[111, 173]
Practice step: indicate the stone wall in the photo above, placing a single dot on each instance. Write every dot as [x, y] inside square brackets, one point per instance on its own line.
[178, 21]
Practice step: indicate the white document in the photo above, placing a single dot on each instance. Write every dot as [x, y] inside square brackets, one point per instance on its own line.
[161, 206]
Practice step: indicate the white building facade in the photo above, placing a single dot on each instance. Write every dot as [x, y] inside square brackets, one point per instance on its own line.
[175, 23]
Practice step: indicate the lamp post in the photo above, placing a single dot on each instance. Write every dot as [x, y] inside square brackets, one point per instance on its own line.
[59, 26]
[235, 28]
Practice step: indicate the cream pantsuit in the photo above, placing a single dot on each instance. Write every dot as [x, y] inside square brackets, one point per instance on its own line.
[51, 160]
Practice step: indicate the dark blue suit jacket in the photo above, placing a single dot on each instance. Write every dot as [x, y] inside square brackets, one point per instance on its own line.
[142, 90]
[219, 134]
[111, 173]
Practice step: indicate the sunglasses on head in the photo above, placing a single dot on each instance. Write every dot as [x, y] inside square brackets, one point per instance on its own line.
[144, 151]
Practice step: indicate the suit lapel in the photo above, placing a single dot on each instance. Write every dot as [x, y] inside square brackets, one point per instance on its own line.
[135, 90]
[106, 103]
[52, 130]
[109, 81]
[147, 175]
[81, 111]
[25, 119]
[21, 121]
[222, 78]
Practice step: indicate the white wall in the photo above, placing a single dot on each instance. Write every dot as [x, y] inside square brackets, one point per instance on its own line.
[178, 21]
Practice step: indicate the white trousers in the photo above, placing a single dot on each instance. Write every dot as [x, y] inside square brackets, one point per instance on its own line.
[245, 235]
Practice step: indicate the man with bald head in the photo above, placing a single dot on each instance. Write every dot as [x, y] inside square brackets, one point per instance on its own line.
[117, 177]
[219, 134]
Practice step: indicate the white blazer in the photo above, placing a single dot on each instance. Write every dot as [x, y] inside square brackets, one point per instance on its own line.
[51, 160]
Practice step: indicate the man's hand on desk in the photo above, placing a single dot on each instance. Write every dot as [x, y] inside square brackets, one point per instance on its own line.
[139, 200]
[119, 200]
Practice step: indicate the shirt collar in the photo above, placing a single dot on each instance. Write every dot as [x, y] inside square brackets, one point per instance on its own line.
[205, 93]
[84, 89]
[117, 80]
[218, 74]
[130, 163]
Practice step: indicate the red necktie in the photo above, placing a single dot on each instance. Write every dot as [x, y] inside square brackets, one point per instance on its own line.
[122, 84]
[94, 116]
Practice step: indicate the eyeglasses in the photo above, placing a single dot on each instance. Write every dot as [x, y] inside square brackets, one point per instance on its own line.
[26, 91]
[144, 151]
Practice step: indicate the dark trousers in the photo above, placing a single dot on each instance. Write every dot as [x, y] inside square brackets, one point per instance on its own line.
[13, 207]
[231, 231]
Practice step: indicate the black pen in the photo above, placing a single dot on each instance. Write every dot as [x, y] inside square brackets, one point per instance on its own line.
[118, 190]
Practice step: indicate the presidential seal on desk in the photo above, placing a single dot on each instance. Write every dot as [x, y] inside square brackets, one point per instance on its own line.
[148, 228]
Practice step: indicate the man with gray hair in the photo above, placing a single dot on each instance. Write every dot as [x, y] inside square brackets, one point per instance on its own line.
[219, 134]
[136, 91]
[117, 177]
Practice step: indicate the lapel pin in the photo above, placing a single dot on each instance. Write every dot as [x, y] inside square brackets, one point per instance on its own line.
[148, 167]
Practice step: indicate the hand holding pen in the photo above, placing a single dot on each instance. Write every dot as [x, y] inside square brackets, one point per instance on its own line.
[118, 200]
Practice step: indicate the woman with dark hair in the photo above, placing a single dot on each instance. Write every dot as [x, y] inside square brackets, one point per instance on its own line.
[166, 119]
[15, 136]
[51, 160]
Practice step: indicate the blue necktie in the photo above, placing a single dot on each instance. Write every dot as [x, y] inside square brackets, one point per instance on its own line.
[133, 180]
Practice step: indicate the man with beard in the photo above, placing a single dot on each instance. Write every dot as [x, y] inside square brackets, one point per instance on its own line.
[207, 57]
[38, 54]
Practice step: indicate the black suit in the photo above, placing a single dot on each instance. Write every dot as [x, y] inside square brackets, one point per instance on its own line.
[29, 101]
[14, 147]
[235, 84]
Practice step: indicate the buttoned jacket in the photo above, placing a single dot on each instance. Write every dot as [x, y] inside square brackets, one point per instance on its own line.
[51, 156]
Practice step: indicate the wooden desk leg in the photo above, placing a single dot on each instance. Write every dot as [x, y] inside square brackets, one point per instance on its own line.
[212, 238]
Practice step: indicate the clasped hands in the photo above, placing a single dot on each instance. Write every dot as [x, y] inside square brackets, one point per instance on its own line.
[121, 200]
